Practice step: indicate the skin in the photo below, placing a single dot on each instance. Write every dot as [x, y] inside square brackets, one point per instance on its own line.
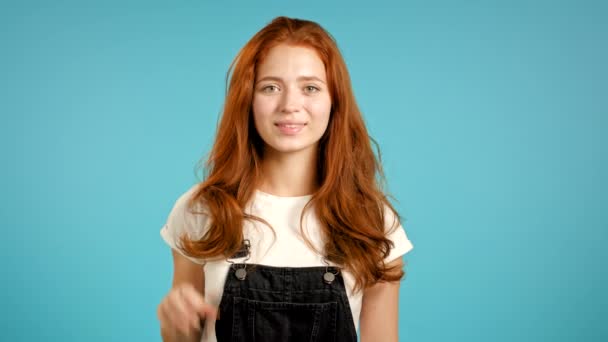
[290, 85]
[380, 311]
[181, 310]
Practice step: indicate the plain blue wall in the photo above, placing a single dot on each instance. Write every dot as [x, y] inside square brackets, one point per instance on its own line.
[492, 117]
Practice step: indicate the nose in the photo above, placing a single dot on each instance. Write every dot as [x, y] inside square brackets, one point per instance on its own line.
[291, 101]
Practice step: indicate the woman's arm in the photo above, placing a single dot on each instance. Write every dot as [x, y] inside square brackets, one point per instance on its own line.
[185, 273]
[380, 310]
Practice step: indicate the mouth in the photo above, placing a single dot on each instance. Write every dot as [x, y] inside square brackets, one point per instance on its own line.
[289, 128]
[289, 125]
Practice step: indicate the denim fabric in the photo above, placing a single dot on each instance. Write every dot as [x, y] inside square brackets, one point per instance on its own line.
[284, 304]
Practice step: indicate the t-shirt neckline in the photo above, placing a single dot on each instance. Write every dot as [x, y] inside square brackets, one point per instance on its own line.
[272, 197]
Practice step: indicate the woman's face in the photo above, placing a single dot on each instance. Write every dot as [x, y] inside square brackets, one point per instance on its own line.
[291, 101]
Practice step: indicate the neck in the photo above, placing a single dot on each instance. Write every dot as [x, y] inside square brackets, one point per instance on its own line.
[289, 174]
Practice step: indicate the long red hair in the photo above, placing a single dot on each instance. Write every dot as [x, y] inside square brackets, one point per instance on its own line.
[349, 203]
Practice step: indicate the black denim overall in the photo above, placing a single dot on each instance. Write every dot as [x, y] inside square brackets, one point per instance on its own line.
[284, 304]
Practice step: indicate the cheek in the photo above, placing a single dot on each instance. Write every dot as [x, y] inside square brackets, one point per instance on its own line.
[261, 111]
[321, 110]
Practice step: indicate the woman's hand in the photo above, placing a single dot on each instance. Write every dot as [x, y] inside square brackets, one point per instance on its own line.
[181, 312]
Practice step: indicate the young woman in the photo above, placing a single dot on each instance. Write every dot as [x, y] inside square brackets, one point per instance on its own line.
[289, 237]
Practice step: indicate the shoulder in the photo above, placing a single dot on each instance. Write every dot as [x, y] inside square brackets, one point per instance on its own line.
[392, 219]
[185, 197]
[186, 219]
[396, 234]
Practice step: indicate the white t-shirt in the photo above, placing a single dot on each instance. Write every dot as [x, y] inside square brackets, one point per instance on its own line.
[288, 249]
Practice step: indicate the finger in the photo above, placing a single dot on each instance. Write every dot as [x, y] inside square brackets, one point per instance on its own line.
[207, 311]
[161, 313]
[188, 316]
[198, 304]
[169, 314]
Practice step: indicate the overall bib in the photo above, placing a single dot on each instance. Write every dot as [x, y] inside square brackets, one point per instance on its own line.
[284, 304]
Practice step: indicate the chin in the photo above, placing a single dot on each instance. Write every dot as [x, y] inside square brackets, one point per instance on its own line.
[290, 148]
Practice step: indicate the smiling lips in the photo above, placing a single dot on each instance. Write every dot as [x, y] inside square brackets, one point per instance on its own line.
[290, 128]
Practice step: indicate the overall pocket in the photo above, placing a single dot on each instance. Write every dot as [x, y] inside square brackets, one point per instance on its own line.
[261, 321]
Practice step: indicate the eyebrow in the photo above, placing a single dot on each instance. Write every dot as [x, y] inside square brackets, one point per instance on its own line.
[299, 79]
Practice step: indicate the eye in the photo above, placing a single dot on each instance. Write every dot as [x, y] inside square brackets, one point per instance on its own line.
[271, 88]
[311, 89]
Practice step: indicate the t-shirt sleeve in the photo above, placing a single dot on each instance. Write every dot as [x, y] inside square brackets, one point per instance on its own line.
[397, 235]
[182, 220]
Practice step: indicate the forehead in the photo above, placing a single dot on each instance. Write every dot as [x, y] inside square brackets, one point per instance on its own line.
[291, 61]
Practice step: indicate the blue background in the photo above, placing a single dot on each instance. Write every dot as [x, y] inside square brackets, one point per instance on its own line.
[492, 117]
